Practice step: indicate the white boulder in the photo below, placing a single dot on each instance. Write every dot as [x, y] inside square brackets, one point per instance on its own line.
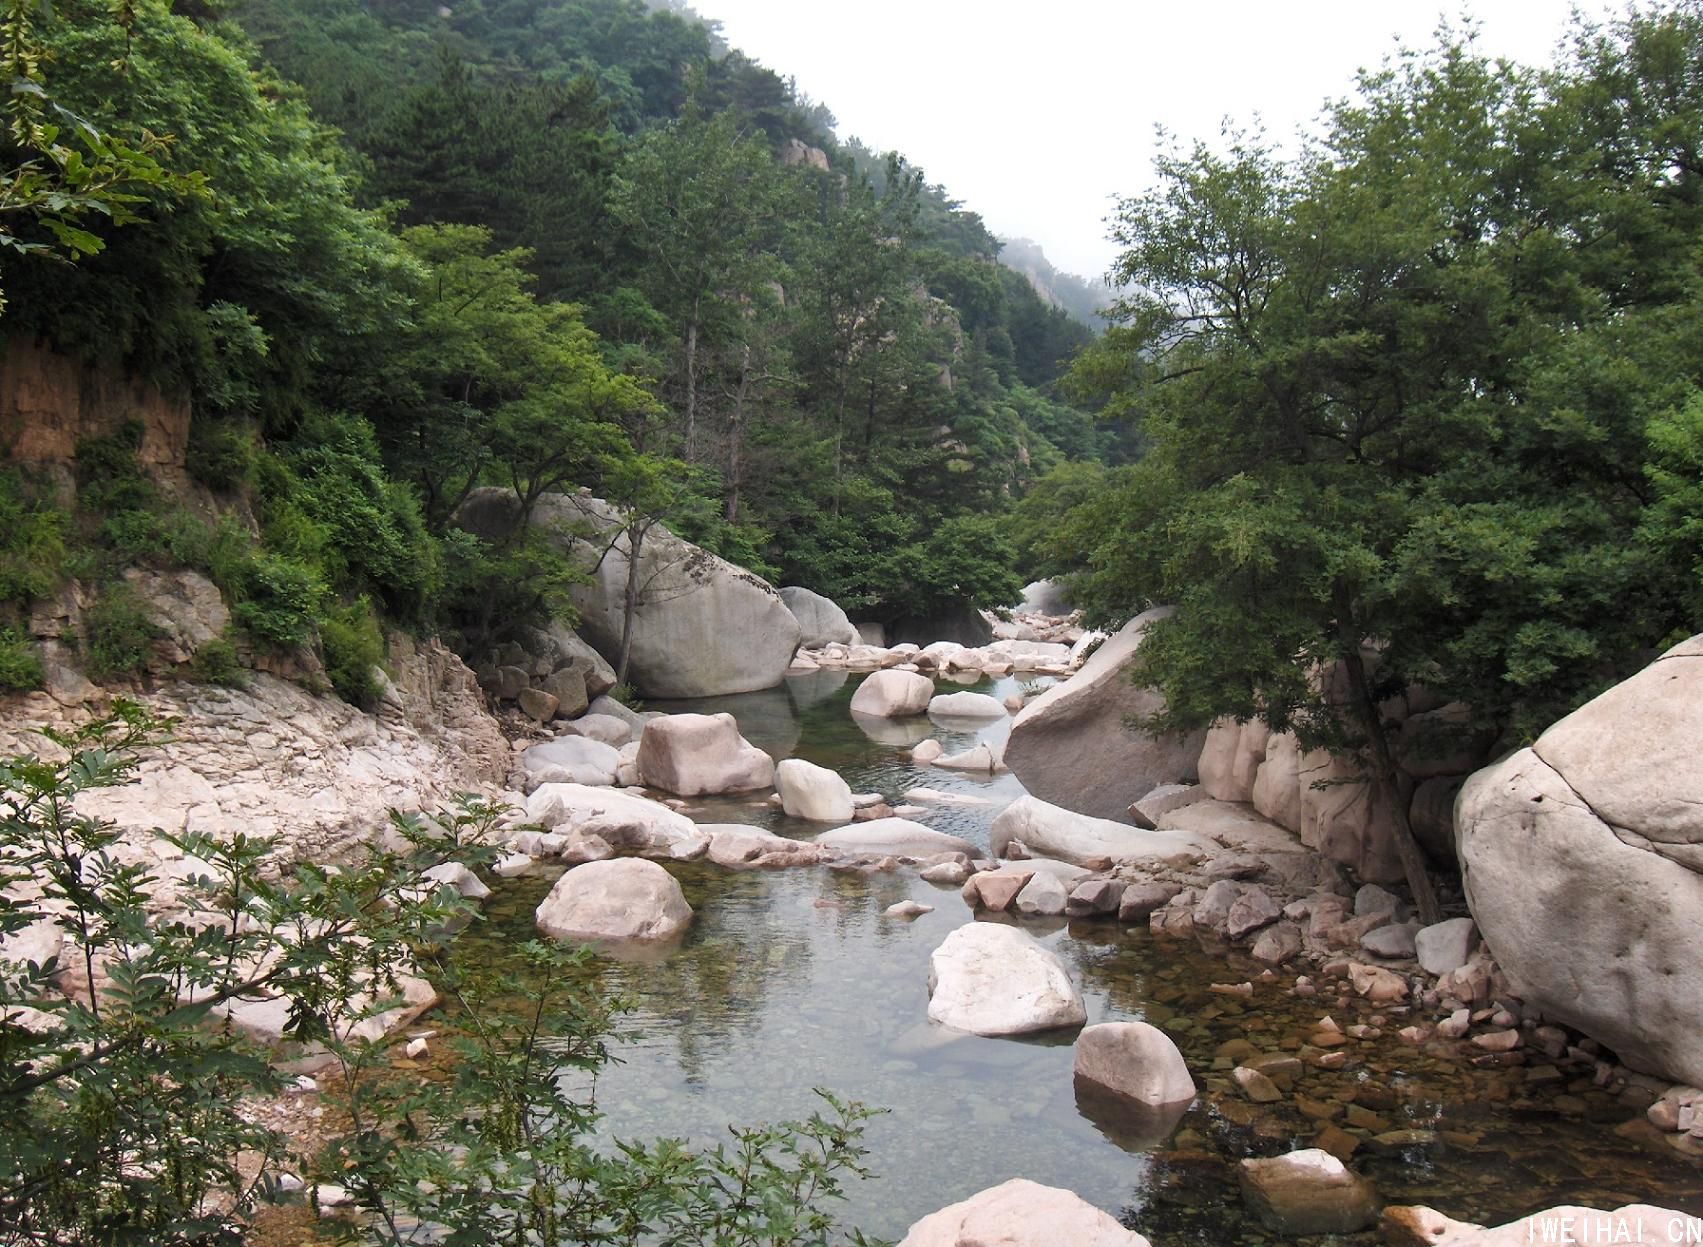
[994, 980]
[813, 792]
[1136, 1061]
[820, 620]
[1021, 1213]
[897, 836]
[694, 755]
[572, 760]
[893, 694]
[965, 706]
[622, 819]
[614, 902]
[1055, 832]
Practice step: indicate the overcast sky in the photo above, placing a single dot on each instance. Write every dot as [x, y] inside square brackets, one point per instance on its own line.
[1038, 114]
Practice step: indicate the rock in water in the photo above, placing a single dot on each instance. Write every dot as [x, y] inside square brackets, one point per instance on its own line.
[1057, 832]
[1021, 1213]
[813, 792]
[895, 835]
[1308, 1192]
[965, 706]
[613, 902]
[1581, 857]
[571, 760]
[694, 755]
[893, 694]
[1136, 1061]
[620, 818]
[820, 621]
[995, 980]
[1070, 746]
[702, 626]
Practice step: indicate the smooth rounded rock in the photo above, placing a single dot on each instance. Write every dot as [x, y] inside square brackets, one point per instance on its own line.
[626, 899]
[894, 835]
[965, 706]
[693, 755]
[1308, 1192]
[994, 980]
[1057, 832]
[1021, 1213]
[813, 792]
[572, 760]
[1134, 1060]
[893, 695]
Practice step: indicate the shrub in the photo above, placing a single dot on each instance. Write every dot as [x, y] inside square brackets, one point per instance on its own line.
[279, 601]
[108, 477]
[20, 665]
[120, 635]
[221, 454]
[216, 662]
[32, 543]
[352, 644]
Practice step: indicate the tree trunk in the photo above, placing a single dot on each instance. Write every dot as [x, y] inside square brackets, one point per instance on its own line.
[1386, 783]
[630, 598]
[736, 435]
[691, 389]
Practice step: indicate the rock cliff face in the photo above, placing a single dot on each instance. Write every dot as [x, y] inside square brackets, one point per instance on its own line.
[48, 402]
[1583, 863]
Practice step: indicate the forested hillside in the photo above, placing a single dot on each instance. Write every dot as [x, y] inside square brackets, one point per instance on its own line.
[398, 250]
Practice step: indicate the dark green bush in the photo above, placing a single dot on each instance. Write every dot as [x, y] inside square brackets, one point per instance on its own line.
[216, 662]
[352, 645]
[20, 665]
[108, 476]
[221, 454]
[120, 635]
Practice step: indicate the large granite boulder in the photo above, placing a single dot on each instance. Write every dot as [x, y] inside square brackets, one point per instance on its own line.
[896, 836]
[892, 695]
[1582, 858]
[621, 819]
[1071, 745]
[820, 621]
[695, 755]
[1053, 831]
[571, 760]
[614, 902]
[1020, 1213]
[702, 626]
[995, 980]
[813, 792]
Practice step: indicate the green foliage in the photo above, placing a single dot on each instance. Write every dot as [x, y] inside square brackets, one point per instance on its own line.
[1674, 521]
[352, 644]
[220, 454]
[32, 543]
[20, 665]
[216, 661]
[279, 600]
[120, 634]
[124, 1115]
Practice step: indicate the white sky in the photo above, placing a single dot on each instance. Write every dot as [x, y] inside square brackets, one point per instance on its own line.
[1037, 115]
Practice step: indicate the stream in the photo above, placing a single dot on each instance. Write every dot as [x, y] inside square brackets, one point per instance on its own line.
[793, 980]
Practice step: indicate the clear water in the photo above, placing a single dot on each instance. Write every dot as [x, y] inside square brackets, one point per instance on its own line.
[793, 980]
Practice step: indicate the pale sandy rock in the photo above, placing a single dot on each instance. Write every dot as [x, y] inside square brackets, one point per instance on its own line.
[1021, 1213]
[813, 792]
[1095, 896]
[743, 847]
[995, 890]
[927, 751]
[994, 980]
[571, 760]
[1061, 833]
[1585, 882]
[1395, 939]
[1377, 984]
[1147, 811]
[965, 706]
[604, 728]
[1230, 759]
[1414, 1225]
[1277, 943]
[907, 910]
[614, 901]
[1250, 911]
[1134, 1060]
[1043, 896]
[1071, 745]
[623, 819]
[892, 695]
[984, 758]
[695, 755]
[894, 835]
[820, 620]
[1307, 1192]
[184, 606]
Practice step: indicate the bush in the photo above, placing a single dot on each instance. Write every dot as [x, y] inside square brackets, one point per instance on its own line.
[279, 601]
[32, 543]
[120, 635]
[20, 665]
[352, 645]
[216, 662]
[221, 454]
[108, 477]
